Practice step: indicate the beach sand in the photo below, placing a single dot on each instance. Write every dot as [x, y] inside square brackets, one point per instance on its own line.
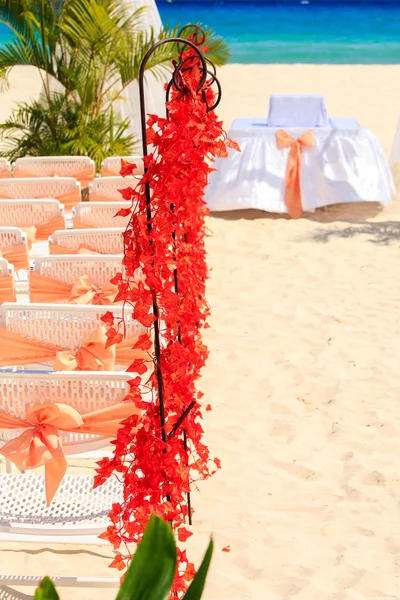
[304, 382]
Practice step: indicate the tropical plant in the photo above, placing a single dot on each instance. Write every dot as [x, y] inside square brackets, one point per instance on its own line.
[152, 570]
[87, 53]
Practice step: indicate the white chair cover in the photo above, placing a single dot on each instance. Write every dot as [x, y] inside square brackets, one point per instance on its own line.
[297, 111]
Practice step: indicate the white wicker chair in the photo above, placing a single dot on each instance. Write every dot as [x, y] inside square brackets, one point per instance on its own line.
[106, 188]
[5, 169]
[7, 282]
[62, 325]
[64, 189]
[112, 166]
[99, 214]
[85, 391]
[46, 215]
[103, 241]
[81, 168]
[13, 238]
[68, 268]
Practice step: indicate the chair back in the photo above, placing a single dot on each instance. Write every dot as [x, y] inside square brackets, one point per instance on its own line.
[85, 391]
[81, 168]
[24, 213]
[105, 189]
[103, 241]
[65, 189]
[111, 166]
[99, 214]
[5, 169]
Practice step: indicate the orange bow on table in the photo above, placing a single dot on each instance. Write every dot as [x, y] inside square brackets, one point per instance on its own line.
[39, 443]
[92, 354]
[46, 289]
[292, 179]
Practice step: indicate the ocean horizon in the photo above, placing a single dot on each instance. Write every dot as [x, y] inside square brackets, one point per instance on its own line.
[294, 31]
[306, 31]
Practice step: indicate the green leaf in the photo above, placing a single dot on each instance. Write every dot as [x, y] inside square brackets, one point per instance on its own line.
[151, 573]
[196, 588]
[46, 590]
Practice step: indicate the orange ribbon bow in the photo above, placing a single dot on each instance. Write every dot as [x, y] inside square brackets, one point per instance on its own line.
[47, 289]
[292, 179]
[92, 355]
[39, 444]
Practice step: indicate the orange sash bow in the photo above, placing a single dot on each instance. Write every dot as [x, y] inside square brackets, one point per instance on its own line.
[92, 355]
[67, 199]
[82, 249]
[39, 444]
[84, 176]
[42, 231]
[5, 174]
[292, 179]
[46, 289]
[16, 255]
[7, 289]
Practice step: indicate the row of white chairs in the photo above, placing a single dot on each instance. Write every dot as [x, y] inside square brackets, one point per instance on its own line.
[76, 509]
[79, 167]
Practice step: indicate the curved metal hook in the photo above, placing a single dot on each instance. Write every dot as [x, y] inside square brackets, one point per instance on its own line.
[176, 40]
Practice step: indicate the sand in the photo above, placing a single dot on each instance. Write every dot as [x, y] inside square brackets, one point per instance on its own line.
[304, 382]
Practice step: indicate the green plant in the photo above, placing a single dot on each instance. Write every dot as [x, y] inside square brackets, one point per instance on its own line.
[152, 570]
[87, 53]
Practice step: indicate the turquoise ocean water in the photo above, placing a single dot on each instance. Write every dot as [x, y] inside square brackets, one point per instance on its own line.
[308, 32]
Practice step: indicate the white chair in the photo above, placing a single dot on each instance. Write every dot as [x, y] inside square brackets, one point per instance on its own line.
[86, 391]
[45, 215]
[61, 327]
[111, 166]
[77, 514]
[7, 282]
[105, 189]
[103, 241]
[81, 168]
[98, 214]
[5, 169]
[297, 110]
[64, 189]
[14, 246]
[66, 269]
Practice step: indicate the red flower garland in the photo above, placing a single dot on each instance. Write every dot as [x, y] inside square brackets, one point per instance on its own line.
[160, 461]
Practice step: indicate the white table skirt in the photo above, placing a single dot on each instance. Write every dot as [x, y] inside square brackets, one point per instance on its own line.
[346, 164]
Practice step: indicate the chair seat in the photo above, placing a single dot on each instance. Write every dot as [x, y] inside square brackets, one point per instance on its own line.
[76, 510]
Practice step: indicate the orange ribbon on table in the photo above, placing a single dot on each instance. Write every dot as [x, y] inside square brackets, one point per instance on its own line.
[7, 289]
[92, 354]
[16, 255]
[46, 289]
[292, 179]
[39, 443]
[84, 176]
[82, 249]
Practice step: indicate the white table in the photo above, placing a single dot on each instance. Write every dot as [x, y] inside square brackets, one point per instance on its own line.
[346, 164]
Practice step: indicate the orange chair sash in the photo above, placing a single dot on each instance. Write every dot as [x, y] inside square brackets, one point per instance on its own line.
[16, 255]
[7, 289]
[102, 198]
[47, 289]
[92, 354]
[292, 178]
[82, 249]
[5, 174]
[39, 443]
[42, 231]
[67, 199]
[84, 176]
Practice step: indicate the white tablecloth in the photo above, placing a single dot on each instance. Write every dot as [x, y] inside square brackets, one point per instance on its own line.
[346, 164]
